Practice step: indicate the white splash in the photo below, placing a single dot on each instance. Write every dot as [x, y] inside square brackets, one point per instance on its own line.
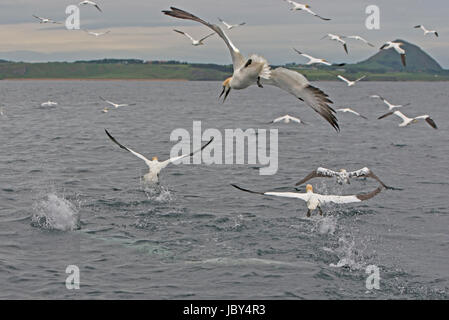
[55, 213]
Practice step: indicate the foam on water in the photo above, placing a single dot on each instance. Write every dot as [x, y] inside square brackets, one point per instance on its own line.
[55, 213]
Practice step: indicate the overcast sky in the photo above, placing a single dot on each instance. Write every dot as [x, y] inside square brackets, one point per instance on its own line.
[140, 30]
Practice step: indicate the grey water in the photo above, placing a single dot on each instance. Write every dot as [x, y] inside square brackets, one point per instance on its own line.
[69, 196]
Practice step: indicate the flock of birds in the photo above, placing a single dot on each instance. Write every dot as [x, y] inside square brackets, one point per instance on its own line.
[255, 70]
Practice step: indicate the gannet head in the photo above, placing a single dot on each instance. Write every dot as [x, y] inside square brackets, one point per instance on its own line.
[307, 6]
[226, 88]
[343, 170]
[309, 188]
[154, 159]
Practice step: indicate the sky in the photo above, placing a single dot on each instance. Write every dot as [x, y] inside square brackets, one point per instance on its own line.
[139, 30]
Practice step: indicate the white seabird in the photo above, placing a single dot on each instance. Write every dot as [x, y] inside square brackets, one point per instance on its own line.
[359, 38]
[97, 34]
[46, 20]
[116, 105]
[315, 200]
[194, 41]
[231, 26]
[155, 166]
[407, 121]
[351, 111]
[390, 105]
[87, 2]
[342, 176]
[287, 119]
[349, 82]
[337, 38]
[397, 48]
[313, 60]
[254, 70]
[426, 32]
[304, 7]
[49, 104]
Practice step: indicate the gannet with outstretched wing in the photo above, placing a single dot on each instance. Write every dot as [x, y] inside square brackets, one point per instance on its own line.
[49, 104]
[87, 2]
[349, 82]
[397, 48]
[313, 60]
[287, 118]
[342, 176]
[231, 26]
[407, 121]
[254, 70]
[315, 200]
[46, 20]
[360, 39]
[116, 105]
[304, 7]
[426, 32]
[97, 34]
[194, 41]
[337, 38]
[390, 105]
[351, 111]
[155, 165]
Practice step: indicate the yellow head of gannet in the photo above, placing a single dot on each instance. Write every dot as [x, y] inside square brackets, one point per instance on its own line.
[154, 159]
[226, 88]
[307, 6]
[309, 188]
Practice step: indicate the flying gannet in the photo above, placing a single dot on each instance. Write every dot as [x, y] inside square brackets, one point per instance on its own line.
[116, 105]
[304, 7]
[390, 105]
[49, 104]
[287, 118]
[194, 42]
[360, 39]
[342, 176]
[348, 82]
[313, 60]
[46, 20]
[351, 111]
[97, 34]
[407, 121]
[256, 70]
[87, 2]
[397, 47]
[315, 200]
[155, 166]
[337, 38]
[105, 110]
[426, 32]
[231, 26]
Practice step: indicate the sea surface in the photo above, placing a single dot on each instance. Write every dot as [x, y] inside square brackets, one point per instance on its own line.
[69, 196]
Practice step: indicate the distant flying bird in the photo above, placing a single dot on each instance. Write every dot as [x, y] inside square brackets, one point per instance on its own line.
[351, 111]
[49, 104]
[195, 42]
[105, 110]
[391, 106]
[287, 118]
[350, 83]
[116, 105]
[342, 176]
[426, 32]
[256, 70]
[154, 165]
[360, 39]
[407, 121]
[87, 2]
[305, 7]
[397, 47]
[231, 26]
[2, 112]
[338, 39]
[97, 34]
[46, 20]
[315, 200]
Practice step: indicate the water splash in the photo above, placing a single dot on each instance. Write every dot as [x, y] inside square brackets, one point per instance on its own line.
[55, 213]
[349, 255]
[157, 193]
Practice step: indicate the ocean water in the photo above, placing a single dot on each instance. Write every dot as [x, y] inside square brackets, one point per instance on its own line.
[69, 196]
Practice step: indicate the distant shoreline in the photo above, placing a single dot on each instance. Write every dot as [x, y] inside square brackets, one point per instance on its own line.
[89, 79]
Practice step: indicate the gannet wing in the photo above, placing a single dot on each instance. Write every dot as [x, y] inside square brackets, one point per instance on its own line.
[184, 33]
[361, 78]
[237, 58]
[297, 85]
[348, 199]
[138, 155]
[343, 78]
[366, 173]
[303, 54]
[209, 35]
[278, 119]
[107, 101]
[314, 14]
[165, 163]
[320, 172]
[428, 120]
[302, 196]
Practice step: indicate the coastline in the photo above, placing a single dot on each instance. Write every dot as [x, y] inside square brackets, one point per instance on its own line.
[90, 79]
